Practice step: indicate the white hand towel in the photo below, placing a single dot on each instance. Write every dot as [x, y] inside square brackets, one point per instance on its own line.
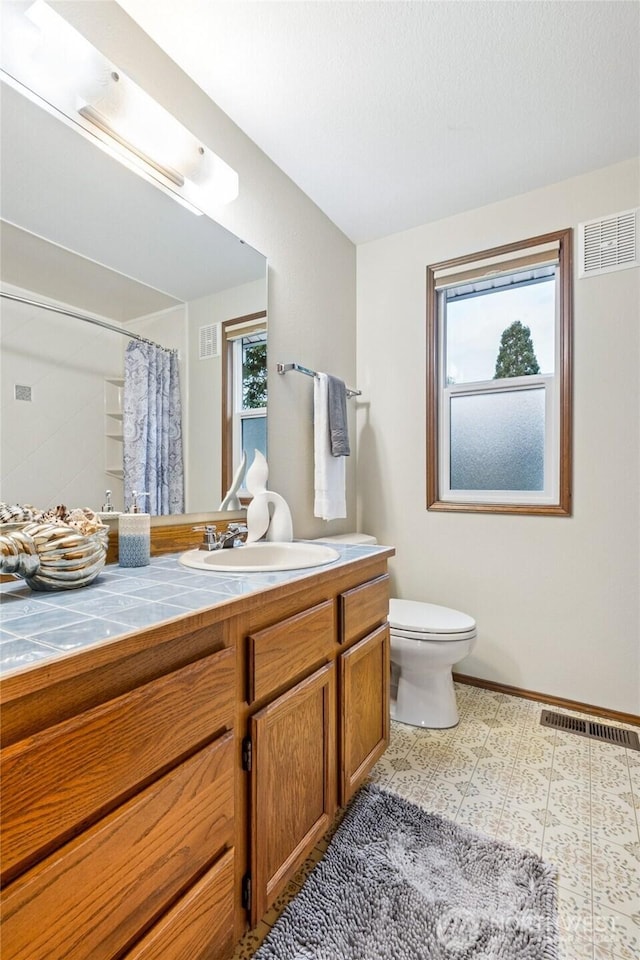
[330, 500]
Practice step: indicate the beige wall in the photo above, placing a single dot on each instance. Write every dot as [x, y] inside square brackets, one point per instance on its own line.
[204, 437]
[53, 447]
[311, 288]
[556, 599]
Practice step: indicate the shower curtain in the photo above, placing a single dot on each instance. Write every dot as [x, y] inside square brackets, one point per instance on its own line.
[152, 429]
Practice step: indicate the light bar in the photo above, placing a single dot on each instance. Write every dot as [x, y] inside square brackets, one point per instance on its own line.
[58, 67]
[88, 113]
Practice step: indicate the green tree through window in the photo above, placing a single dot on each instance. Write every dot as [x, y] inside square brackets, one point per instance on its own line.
[516, 356]
[254, 375]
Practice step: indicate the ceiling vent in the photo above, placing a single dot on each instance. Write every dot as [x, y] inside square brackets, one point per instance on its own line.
[210, 341]
[609, 243]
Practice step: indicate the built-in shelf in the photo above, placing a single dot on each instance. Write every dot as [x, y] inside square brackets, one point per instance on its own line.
[113, 390]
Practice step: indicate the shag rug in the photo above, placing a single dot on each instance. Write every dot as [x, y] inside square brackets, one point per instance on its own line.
[398, 883]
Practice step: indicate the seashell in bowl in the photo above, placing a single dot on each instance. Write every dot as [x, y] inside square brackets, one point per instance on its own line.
[53, 556]
[16, 513]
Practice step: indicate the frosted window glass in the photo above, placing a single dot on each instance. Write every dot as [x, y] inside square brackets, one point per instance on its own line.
[254, 436]
[497, 440]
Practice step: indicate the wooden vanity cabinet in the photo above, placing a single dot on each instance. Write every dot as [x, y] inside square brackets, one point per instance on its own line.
[159, 791]
[118, 821]
[317, 720]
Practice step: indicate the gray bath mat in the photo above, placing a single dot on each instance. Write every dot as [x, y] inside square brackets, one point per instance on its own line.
[398, 883]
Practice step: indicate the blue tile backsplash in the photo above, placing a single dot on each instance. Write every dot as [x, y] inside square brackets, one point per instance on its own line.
[36, 627]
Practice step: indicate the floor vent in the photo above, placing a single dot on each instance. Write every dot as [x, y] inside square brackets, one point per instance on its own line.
[591, 729]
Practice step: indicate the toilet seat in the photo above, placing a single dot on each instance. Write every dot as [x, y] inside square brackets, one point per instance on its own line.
[415, 620]
[423, 636]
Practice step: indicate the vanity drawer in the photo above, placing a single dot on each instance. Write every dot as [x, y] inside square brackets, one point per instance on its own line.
[201, 923]
[71, 773]
[283, 652]
[363, 608]
[88, 900]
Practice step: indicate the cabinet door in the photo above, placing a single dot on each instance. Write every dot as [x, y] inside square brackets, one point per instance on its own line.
[293, 788]
[364, 709]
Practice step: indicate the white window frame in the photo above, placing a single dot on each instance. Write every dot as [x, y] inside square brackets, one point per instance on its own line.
[549, 493]
[555, 498]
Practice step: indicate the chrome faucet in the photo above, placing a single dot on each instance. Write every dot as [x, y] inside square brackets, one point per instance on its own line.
[231, 537]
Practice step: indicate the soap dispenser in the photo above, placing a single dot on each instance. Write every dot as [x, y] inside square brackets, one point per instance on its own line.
[134, 535]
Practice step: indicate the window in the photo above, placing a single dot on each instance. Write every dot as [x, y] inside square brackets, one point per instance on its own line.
[250, 407]
[499, 379]
[244, 392]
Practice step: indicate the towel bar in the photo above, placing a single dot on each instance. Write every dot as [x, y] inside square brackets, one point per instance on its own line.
[285, 367]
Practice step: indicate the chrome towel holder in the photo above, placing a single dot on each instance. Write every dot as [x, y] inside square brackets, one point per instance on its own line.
[285, 367]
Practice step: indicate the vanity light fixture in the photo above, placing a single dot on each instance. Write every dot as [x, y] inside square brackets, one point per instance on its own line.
[44, 57]
[88, 113]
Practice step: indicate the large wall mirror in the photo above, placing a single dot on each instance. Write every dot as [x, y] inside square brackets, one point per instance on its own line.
[81, 231]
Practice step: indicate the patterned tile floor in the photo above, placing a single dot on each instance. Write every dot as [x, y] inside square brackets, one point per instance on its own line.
[573, 801]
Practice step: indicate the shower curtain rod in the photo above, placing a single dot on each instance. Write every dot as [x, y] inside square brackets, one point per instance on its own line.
[81, 316]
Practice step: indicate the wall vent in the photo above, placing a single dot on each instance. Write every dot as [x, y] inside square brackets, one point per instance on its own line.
[590, 728]
[609, 243]
[22, 392]
[210, 341]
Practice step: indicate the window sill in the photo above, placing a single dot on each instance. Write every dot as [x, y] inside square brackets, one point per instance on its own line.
[522, 509]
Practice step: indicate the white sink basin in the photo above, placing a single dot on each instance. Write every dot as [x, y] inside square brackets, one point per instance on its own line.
[261, 557]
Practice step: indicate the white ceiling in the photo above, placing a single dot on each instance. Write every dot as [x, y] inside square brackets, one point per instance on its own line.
[393, 114]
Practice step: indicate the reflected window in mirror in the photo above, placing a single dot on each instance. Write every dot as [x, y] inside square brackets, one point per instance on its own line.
[250, 408]
[244, 393]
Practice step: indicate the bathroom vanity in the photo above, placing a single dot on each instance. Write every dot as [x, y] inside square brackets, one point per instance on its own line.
[161, 787]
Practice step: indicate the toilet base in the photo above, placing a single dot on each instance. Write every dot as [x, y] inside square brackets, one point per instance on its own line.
[426, 695]
[430, 703]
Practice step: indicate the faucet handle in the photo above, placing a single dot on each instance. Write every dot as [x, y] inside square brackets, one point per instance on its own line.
[210, 538]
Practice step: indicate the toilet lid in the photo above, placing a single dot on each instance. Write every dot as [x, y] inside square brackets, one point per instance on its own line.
[421, 636]
[416, 617]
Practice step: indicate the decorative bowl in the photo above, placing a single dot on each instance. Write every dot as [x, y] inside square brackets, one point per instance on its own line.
[52, 556]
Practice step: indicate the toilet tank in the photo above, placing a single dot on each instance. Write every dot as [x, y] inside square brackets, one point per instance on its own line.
[355, 538]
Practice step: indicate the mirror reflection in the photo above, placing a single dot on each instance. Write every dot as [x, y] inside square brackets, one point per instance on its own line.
[82, 232]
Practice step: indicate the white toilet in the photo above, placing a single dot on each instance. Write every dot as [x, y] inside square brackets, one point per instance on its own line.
[426, 641]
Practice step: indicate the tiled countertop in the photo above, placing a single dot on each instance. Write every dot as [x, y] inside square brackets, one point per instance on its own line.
[36, 627]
